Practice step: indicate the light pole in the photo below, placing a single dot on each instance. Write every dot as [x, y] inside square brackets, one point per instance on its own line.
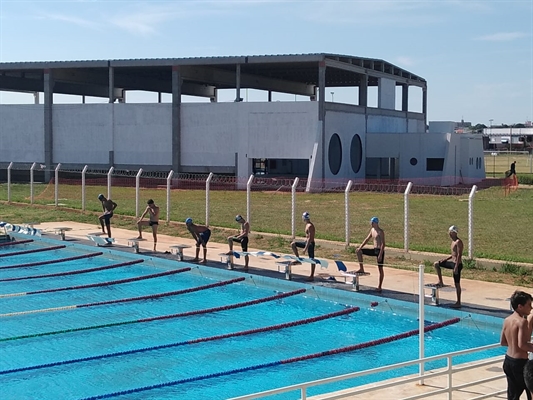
[332, 93]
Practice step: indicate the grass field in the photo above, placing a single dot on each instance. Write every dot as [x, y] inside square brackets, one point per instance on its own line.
[503, 226]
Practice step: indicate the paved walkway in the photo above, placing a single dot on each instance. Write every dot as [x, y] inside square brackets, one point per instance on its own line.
[484, 297]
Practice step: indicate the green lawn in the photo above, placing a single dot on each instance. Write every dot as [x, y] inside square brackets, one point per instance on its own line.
[503, 226]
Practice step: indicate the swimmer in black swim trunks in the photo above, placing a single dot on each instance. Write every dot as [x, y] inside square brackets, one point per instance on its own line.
[153, 210]
[241, 238]
[108, 206]
[201, 234]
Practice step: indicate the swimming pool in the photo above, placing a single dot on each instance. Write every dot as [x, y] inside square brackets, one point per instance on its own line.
[105, 324]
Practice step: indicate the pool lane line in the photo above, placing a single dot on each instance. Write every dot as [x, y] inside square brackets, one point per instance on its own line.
[163, 317]
[18, 253]
[56, 261]
[75, 272]
[126, 300]
[16, 242]
[340, 350]
[270, 328]
[99, 284]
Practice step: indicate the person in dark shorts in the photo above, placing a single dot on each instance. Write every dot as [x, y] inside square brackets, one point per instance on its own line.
[308, 246]
[516, 336]
[153, 211]
[378, 237]
[108, 206]
[241, 238]
[453, 262]
[201, 234]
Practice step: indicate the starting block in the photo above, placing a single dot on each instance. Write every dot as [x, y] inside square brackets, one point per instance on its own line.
[354, 275]
[60, 230]
[434, 295]
[101, 241]
[286, 267]
[227, 259]
[178, 250]
[134, 242]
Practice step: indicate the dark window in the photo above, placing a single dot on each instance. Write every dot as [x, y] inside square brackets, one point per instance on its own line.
[335, 154]
[413, 161]
[434, 164]
[356, 153]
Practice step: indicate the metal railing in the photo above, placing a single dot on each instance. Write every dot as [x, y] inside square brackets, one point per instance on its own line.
[448, 371]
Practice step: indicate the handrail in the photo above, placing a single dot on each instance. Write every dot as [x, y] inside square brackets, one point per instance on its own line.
[446, 371]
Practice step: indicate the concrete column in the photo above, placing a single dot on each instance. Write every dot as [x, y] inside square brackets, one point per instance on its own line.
[363, 91]
[111, 85]
[322, 113]
[48, 90]
[238, 83]
[425, 106]
[405, 97]
[176, 119]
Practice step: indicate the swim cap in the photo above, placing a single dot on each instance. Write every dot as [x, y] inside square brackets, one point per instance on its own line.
[100, 196]
[238, 217]
[374, 220]
[306, 215]
[188, 221]
[150, 201]
[453, 228]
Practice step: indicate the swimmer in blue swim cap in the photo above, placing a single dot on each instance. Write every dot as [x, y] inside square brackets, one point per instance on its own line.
[378, 237]
[201, 234]
[242, 238]
[308, 245]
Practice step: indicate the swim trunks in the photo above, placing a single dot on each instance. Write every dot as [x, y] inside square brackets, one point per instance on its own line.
[243, 241]
[152, 223]
[374, 252]
[205, 235]
[451, 265]
[310, 248]
[514, 371]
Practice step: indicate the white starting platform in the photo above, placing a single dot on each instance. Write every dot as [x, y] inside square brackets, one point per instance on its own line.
[134, 243]
[60, 230]
[177, 250]
[286, 268]
[101, 241]
[353, 275]
[433, 292]
[227, 259]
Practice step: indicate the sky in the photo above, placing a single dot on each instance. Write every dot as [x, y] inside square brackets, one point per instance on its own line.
[477, 56]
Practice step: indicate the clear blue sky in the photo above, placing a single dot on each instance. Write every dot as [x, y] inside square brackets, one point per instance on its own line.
[477, 56]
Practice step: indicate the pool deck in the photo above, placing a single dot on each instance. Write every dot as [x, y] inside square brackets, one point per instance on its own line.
[478, 297]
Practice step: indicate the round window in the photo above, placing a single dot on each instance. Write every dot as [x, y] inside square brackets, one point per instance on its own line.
[413, 161]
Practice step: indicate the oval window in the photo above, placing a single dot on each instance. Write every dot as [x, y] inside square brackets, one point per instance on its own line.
[335, 154]
[356, 153]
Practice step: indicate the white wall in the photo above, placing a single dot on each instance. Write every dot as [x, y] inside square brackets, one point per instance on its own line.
[22, 133]
[387, 93]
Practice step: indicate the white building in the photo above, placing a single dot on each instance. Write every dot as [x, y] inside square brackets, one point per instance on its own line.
[325, 142]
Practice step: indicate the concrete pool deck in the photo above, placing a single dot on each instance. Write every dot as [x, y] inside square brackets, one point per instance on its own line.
[477, 297]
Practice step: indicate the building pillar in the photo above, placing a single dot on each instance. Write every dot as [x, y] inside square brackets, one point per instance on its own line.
[238, 83]
[425, 106]
[176, 118]
[111, 85]
[363, 91]
[48, 90]
[322, 114]
[405, 97]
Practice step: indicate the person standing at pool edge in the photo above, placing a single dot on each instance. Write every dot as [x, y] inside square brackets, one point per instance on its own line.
[241, 238]
[378, 237]
[201, 234]
[108, 206]
[516, 336]
[308, 246]
[153, 210]
[453, 262]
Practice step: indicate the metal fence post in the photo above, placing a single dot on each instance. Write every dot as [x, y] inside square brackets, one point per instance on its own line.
[137, 191]
[83, 194]
[248, 198]
[347, 211]
[293, 207]
[31, 181]
[9, 181]
[421, 297]
[56, 184]
[169, 179]
[207, 184]
[109, 174]
[471, 222]
[406, 217]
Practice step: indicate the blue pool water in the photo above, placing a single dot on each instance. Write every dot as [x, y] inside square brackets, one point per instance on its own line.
[87, 342]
